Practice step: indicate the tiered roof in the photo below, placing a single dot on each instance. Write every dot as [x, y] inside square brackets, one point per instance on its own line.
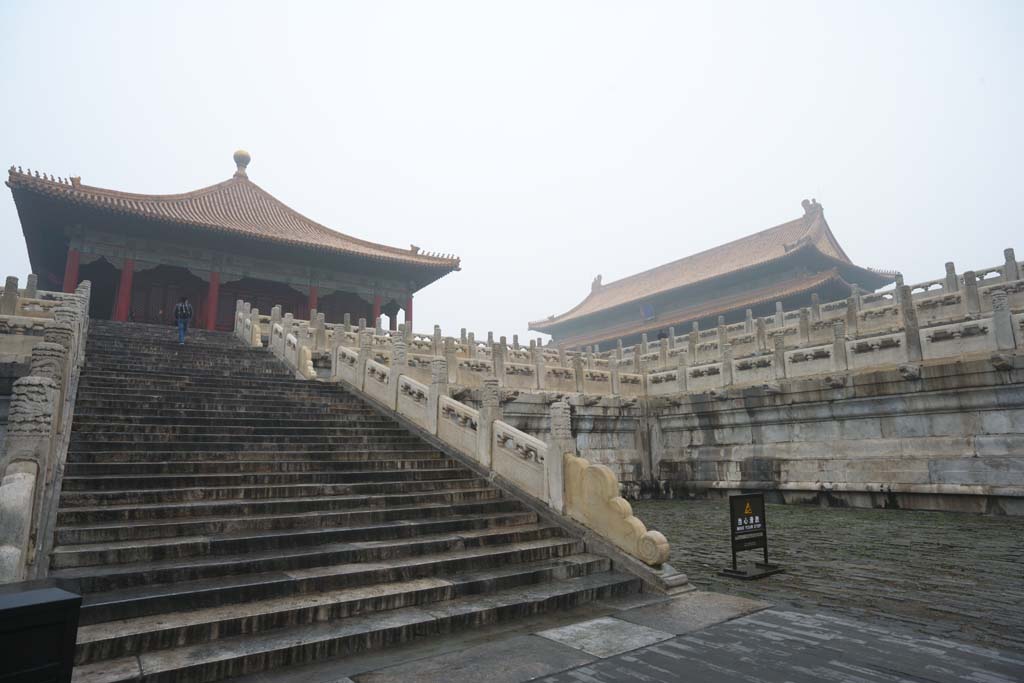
[235, 206]
[810, 232]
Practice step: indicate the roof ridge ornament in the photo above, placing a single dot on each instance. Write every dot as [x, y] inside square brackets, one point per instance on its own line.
[242, 159]
[810, 206]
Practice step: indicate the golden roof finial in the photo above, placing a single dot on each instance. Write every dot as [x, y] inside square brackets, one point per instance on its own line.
[242, 160]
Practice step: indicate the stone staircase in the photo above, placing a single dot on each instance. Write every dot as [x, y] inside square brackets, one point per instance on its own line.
[223, 518]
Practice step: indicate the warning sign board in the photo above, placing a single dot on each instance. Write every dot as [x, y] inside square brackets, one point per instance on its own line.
[748, 529]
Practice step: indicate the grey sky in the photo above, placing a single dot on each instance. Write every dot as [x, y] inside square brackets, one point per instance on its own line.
[543, 142]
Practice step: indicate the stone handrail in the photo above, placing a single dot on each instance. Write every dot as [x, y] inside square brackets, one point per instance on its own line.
[45, 331]
[531, 465]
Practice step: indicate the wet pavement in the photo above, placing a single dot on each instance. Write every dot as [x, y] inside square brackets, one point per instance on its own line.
[945, 575]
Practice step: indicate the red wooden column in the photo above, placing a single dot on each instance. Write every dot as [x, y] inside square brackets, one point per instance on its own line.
[408, 313]
[71, 270]
[313, 292]
[124, 290]
[376, 309]
[212, 296]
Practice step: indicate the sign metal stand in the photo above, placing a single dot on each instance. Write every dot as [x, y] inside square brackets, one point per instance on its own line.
[748, 529]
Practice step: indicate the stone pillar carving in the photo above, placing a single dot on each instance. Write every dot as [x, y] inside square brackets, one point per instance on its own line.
[779, 360]
[1002, 321]
[438, 388]
[515, 342]
[748, 321]
[437, 344]
[613, 375]
[560, 444]
[562, 361]
[723, 337]
[577, 371]
[320, 333]
[663, 355]
[643, 343]
[805, 325]
[490, 339]
[727, 365]
[490, 410]
[952, 283]
[780, 315]
[9, 298]
[815, 307]
[32, 286]
[971, 300]
[898, 289]
[346, 322]
[471, 342]
[855, 294]
[839, 359]
[1011, 269]
[365, 344]
[618, 349]
[691, 345]
[909, 313]
[362, 324]
[638, 361]
[462, 335]
[275, 316]
[671, 338]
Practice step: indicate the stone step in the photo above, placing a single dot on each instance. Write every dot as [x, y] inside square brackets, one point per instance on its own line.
[228, 444]
[186, 509]
[375, 461]
[148, 634]
[339, 454]
[266, 429]
[439, 556]
[227, 657]
[68, 556]
[199, 493]
[87, 421]
[206, 526]
[157, 481]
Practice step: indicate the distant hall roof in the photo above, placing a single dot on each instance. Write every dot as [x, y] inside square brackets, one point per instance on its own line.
[237, 205]
[810, 231]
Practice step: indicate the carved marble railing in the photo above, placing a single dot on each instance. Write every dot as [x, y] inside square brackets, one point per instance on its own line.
[44, 333]
[532, 466]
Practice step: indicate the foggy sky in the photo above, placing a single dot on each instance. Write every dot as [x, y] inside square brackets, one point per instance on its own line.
[543, 142]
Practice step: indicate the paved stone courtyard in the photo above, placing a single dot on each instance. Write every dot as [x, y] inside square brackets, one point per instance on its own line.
[947, 575]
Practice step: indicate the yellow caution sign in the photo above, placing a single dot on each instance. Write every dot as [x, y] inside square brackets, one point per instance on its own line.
[747, 510]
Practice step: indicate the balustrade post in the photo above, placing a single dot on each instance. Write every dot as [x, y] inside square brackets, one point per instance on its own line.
[365, 340]
[952, 283]
[727, 365]
[748, 321]
[1011, 269]
[490, 410]
[471, 342]
[815, 307]
[9, 298]
[805, 325]
[839, 359]
[437, 345]
[762, 335]
[682, 367]
[498, 362]
[897, 291]
[910, 328]
[851, 315]
[399, 367]
[438, 388]
[539, 369]
[577, 371]
[346, 322]
[780, 315]
[1002, 321]
[971, 300]
[613, 374]
[618, 349]
[691, 344]
[451, 360]
[560, 443]
[32, 286]
[671, 338]
[779, 349]
[643, 343]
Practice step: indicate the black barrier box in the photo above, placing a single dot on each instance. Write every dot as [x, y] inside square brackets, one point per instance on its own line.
[748, 530]
[38, 627]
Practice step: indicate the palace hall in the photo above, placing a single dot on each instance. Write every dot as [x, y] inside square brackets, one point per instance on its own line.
[232, 240]
[789, 263]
